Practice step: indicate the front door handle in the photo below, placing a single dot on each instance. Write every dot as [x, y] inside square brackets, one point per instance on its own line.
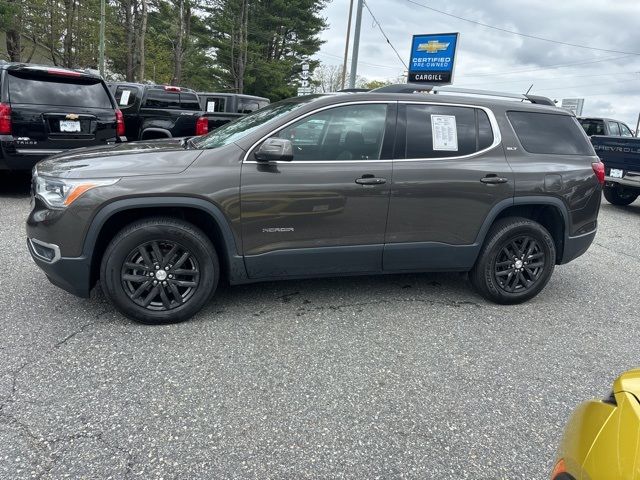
[370, 180]
[493, 179]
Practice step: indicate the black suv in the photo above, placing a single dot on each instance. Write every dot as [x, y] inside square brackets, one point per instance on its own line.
[159, 111]
[46, 110]
[325, 185]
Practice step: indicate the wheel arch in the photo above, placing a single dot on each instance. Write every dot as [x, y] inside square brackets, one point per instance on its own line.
[155, 133]
[550, 212]
[201, 213]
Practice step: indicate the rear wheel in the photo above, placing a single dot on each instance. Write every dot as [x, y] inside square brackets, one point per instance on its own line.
[618, 196]
[159, 270]
[516, 261]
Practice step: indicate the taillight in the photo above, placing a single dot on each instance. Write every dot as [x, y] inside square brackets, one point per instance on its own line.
[558, 470]
[5, 119]
[202, 126]
[598, 169]
[119, 123]
[171, 88]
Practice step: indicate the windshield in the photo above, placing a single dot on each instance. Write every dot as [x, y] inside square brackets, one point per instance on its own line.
[237, 129]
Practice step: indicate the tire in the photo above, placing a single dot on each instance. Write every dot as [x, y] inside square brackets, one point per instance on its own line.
[618, 196]
[179, 258]
[503, 252]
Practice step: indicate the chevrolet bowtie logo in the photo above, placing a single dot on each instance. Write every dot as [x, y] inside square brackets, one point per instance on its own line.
[432, 46]
[72, 116]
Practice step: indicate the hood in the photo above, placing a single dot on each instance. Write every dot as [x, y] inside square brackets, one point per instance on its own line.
[152, 157]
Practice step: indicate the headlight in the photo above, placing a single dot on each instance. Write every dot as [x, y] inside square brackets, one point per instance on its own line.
[62, 192]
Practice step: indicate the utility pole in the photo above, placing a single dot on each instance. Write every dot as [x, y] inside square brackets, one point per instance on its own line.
[356, 46]
[101, 46]
[346, 45]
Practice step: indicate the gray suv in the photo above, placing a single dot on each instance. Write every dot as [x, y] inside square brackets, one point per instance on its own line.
[330, 185]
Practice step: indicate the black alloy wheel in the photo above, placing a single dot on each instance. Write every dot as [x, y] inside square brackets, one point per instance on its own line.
[160, 275]
[515, 262]
[159, 270]
[519, 264]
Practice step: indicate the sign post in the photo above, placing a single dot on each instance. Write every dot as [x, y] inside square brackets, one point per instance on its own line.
[433, 58]
[304, 88]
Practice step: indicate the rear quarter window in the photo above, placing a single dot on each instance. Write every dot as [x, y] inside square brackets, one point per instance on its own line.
[551, 134]
[58, 91]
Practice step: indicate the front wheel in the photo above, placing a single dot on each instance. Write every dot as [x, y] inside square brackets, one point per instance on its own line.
[516, 261]
[618, 196]
[159, 270]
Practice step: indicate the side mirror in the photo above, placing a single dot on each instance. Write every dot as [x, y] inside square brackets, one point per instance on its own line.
[274, 149]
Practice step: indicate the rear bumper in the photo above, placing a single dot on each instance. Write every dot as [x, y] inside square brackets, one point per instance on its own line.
[576, 246]
[627, 181]
[72, 274]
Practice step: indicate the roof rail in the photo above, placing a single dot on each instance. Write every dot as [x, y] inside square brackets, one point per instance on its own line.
[433, 89]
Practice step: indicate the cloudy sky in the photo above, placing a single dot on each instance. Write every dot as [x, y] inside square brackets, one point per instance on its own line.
[495, 60]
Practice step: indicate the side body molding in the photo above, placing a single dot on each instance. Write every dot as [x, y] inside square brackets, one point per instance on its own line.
[237, 270]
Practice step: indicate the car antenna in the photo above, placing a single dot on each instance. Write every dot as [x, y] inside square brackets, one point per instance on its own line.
[527, 92]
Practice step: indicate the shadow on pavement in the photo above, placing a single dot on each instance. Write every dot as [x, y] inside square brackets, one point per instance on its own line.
[15, 184]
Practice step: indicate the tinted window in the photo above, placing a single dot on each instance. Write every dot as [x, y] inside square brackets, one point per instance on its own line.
[592, 127]
[625, 131]
[162, 99]
[125, 96]
[435, 131]
[485, 132]
[58, 91]
[352, 132]
[215, 104]
[246, 105]
[550, 133]
[614, 129]
[189, 101]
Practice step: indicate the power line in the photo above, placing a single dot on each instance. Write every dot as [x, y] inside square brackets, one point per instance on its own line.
[581, 86]
[385, 35]
[528, 80]
[535, 37]
[548, 67]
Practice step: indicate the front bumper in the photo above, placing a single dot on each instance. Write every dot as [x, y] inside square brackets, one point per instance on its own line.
[72, 274]
[576, 246]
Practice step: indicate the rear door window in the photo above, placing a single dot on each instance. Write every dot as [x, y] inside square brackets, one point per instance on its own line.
[614, 129]
[246, 105]
[58, 91]
[125, 96]
[215, 104]
[162, 99]
[549, 133]
[440, 131]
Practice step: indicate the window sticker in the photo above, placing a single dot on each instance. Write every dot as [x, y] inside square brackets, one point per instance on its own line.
[444, 133]
[211, 106]
[124, 99]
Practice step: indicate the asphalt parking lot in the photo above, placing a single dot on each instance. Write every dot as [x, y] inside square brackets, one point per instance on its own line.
[410, 376]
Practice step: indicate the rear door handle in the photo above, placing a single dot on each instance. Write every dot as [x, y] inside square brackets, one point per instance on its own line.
[494, 179]
[370, 180]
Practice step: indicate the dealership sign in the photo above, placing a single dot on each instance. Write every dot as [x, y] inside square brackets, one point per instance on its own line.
[433, 58]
